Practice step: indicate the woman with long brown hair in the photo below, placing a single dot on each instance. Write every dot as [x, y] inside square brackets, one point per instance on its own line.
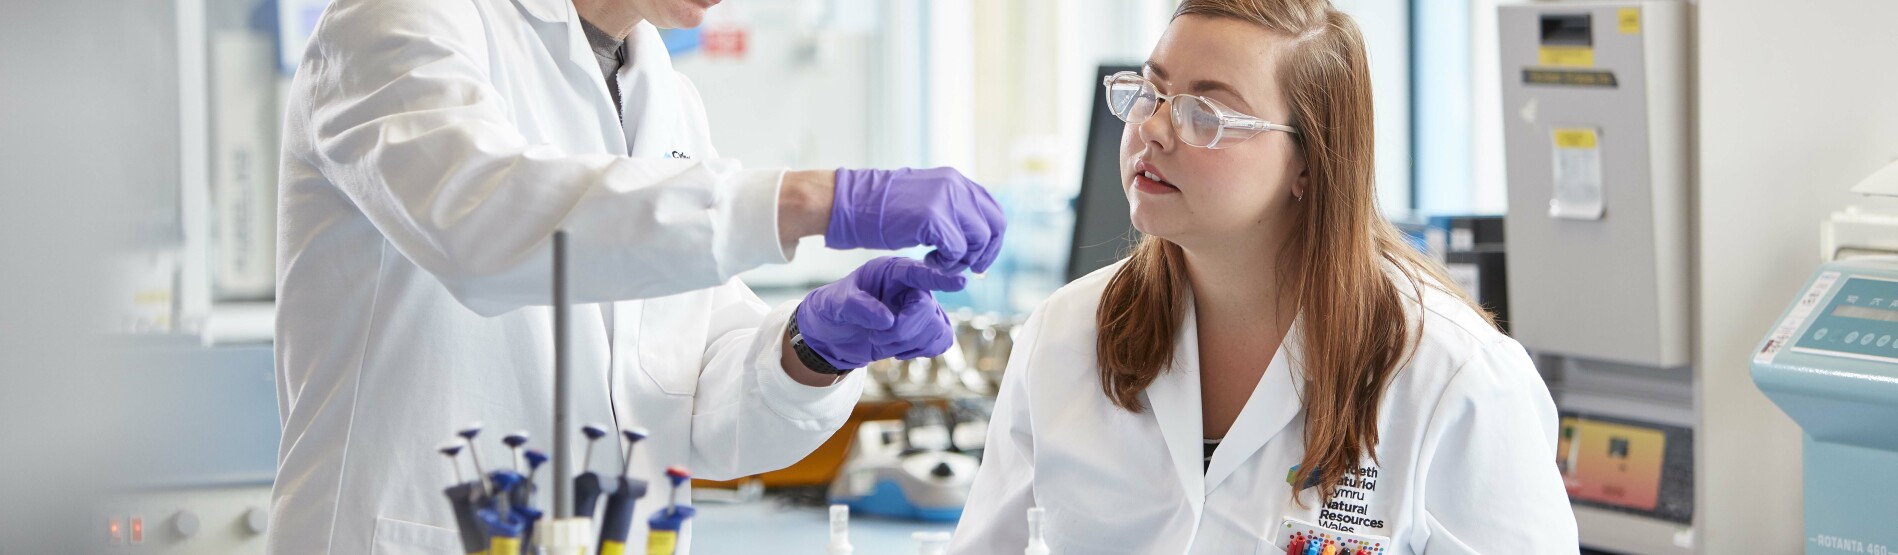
[1272, 366]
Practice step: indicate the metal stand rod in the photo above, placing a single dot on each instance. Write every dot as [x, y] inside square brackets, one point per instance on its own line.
[563, 421]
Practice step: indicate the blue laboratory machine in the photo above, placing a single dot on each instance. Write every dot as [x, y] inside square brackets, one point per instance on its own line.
[1831, 362]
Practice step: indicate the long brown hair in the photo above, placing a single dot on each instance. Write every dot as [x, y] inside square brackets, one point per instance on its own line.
[1355, 334]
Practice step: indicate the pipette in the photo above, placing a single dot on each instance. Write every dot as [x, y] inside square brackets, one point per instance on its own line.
[662, 534]
[524, 494]
[474, 537]
[535, 458]
[586, 486]
[467, 437]
[451, 450]
[504, 525]
[514, 442]
[616, 523]
[632, 435]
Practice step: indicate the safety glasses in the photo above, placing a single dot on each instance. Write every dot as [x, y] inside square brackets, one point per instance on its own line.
[1199, 121]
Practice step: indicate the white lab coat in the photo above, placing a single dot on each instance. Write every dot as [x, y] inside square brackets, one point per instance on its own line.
[1466, 456]
[430, 149]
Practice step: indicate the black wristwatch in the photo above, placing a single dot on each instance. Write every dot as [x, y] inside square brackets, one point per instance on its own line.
[809, 357]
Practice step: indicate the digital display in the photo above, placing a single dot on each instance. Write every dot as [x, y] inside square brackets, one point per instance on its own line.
[1866, 313]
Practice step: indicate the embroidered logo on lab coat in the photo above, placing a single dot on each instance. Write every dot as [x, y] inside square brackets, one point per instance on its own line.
[1350, 508]
[678, 154]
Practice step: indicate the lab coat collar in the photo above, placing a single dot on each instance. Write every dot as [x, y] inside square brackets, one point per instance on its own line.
[559, 29]
[648, 85]
[648, 49]
[1273, 405]
[1177, 405]
[1174, 398]
[547, 10]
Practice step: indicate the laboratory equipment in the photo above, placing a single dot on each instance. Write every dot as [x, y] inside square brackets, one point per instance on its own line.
[494, 512]
[524, 493]
[503, 524]
[451, 450]
[1831, 363]
[1596, 138]
[1473, 252]
[1037, 537]
[840, 531]
[514, 441]
[587, 487]
[617, 521]
[662, 530]
[535, 458]
[1595, 100]
[493, 515]
[887, 474]
[462, 497]
[203, 413]
[467, 437]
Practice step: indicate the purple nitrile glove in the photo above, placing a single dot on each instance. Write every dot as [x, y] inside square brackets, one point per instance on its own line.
[881, 310]
[902, 208]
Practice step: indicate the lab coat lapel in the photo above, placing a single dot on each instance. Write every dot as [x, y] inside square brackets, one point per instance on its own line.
[551, 11]
[559, 29]
[1273, 404]
[1175, 401]
[650, 89]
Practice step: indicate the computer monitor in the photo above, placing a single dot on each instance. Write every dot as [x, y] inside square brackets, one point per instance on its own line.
[1103, 232]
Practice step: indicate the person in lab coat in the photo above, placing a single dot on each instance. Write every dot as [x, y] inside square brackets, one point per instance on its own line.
[431, 149]
[1273, 357]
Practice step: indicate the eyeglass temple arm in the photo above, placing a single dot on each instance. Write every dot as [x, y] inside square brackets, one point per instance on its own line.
[1256, 124]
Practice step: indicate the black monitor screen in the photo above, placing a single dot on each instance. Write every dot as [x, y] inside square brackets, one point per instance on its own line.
[1102, 231]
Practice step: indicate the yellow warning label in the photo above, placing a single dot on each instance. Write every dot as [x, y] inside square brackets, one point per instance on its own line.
[1574, 138]
[1629, 20]
[1566, 56]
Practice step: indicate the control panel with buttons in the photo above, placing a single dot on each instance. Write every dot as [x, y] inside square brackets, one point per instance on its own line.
[1860, 320]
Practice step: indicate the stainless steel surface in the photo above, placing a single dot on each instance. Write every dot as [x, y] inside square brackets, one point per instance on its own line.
[972, 367]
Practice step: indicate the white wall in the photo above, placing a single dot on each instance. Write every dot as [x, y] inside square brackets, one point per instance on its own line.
[1798, 101]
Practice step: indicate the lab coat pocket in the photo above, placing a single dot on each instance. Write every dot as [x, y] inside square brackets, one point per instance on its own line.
[672, 337]
[401, 537]
[1265, 547]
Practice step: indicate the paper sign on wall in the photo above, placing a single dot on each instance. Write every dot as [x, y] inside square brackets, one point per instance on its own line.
[1578, 194]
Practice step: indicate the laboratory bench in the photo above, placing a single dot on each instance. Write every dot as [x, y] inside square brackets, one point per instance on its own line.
[772, 526]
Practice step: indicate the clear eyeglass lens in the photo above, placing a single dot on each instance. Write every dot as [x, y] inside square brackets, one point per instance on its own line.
[1195, 121]
[1130, 98]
